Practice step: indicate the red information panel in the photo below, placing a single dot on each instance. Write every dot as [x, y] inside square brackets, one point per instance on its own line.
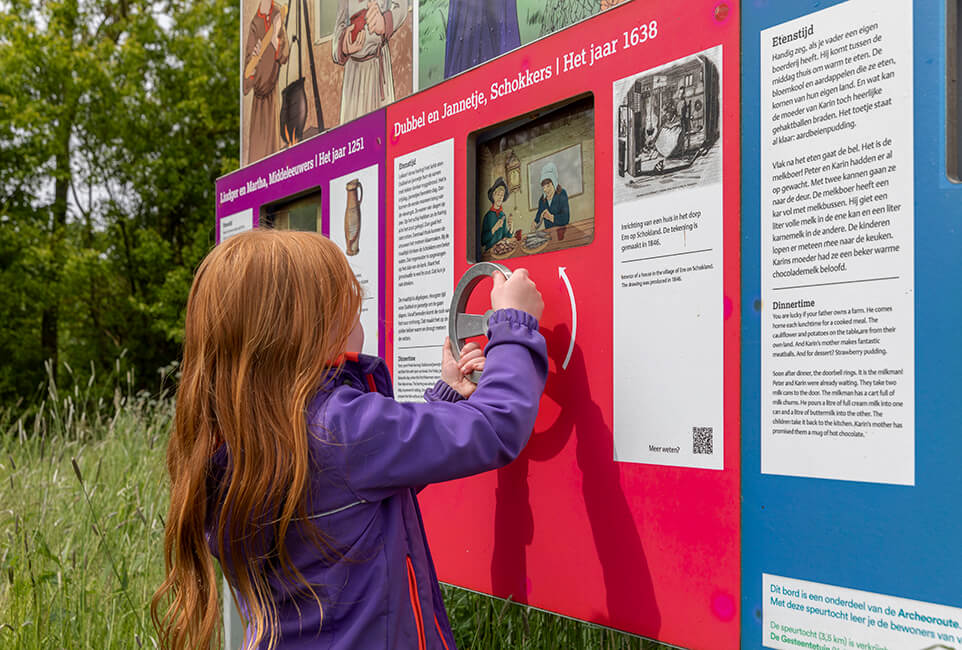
[604, 159]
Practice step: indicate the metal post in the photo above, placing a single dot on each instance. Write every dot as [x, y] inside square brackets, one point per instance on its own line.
[233, 626]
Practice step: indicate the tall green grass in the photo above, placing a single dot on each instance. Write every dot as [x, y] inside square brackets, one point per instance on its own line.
[484, 623]
[83, 494]
[82, 499]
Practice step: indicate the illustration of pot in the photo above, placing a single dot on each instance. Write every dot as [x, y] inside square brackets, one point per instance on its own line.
[352, 216]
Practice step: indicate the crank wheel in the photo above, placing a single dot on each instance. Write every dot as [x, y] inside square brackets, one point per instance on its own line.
[461, 325]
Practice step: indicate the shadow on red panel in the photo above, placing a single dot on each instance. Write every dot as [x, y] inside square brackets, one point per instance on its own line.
[630, 601]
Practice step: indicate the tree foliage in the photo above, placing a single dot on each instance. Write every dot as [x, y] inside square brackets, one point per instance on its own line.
[116, 117]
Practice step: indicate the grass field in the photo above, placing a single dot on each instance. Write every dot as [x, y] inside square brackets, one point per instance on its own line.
[83, 496]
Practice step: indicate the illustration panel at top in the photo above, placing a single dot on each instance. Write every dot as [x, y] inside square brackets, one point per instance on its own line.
[535, 184]
[310, 65]
[669, 127]
[455, 35]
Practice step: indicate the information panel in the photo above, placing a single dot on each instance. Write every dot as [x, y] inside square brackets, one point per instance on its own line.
[332, 184]
[423, 264]
[605, 160]
[851, 261]
[838, 336]
[805, 614]
[668, 259]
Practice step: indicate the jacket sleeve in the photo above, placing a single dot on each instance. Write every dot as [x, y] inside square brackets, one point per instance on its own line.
[563, 216]
[542, 206]
[284, 52]
[441, 392]
[380, 445]
[488, 238]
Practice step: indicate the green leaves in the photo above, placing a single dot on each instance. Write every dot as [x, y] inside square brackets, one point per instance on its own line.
[116, 117]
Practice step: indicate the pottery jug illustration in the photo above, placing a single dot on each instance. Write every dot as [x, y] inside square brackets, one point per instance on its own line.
[352, 216]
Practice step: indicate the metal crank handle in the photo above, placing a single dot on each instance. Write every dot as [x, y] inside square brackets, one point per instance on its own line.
[461, 325]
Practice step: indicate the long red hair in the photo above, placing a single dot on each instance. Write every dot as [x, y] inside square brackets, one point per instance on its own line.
[267, 312]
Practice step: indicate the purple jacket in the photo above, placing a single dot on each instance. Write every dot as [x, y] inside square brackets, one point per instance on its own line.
[371, 454]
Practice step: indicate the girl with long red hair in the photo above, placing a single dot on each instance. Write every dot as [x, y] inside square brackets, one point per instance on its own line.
[291, 463]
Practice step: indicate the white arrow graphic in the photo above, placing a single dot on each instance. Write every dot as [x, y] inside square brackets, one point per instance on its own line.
[574, 316]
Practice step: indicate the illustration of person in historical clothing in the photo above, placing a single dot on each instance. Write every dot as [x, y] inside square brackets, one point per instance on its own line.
[479, 30]
[495, 225]
[265, 51]
[558, 14]
[360, 44]
[553, 204]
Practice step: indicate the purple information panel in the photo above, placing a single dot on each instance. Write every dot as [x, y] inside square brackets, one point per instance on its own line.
[332, 184]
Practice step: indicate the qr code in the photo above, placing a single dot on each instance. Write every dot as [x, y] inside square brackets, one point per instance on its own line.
[701, 438]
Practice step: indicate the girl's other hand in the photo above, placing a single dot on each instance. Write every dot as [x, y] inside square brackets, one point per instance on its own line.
[455, 373]
[519, 292]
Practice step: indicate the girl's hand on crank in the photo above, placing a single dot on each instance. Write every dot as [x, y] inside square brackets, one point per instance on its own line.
[455, 373]
[518, 292]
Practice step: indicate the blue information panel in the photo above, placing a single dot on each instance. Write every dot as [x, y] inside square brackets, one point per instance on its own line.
[851, 310]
